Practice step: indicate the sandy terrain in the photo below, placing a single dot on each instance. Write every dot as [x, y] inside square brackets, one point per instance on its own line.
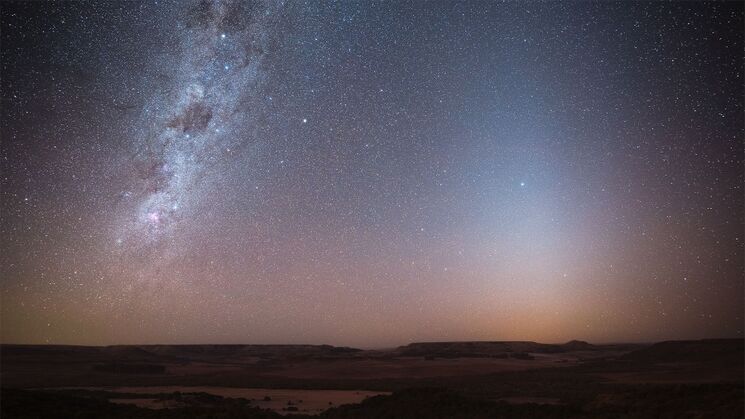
[606, 380]
[408, 367]
[306, 401]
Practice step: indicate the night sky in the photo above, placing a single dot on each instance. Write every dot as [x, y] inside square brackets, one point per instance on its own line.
[371, 173]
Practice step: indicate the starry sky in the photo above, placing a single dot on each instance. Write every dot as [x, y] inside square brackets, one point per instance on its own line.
[370, 173]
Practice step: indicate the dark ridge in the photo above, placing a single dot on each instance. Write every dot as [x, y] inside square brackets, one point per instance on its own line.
[578, 345]
[705, 350]
[489, 349]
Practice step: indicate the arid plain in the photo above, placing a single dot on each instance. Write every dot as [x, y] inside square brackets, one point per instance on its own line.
[554, 379]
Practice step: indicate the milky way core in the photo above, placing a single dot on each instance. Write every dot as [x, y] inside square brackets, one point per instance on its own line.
[201, 114]
[370, 174]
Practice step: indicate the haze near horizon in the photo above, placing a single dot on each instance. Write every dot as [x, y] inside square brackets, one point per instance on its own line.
[370, 174]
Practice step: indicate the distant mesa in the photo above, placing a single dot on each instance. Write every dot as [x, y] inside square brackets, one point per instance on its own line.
[578, 345]
[727, 351]
[495, 349]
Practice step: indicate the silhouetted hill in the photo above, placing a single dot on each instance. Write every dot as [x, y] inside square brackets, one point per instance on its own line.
[578, 345]
[705, 350]
[489, 349]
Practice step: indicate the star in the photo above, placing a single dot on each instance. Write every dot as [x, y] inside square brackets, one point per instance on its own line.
[469, 163]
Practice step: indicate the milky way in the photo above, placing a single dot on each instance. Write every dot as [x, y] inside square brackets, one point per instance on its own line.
[369, 174]
[203, 114]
